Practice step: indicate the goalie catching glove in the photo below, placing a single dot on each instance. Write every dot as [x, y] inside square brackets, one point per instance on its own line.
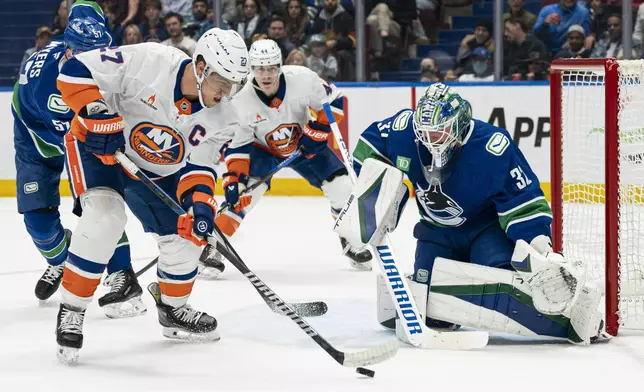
[555, 281]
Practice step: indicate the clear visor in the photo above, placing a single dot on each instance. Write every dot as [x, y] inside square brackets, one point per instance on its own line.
[266, 71]
[217, 86]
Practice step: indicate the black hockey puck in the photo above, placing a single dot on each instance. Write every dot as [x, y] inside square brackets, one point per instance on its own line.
[365, 372]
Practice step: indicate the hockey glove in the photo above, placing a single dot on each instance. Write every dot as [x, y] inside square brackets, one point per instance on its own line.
[199, 222]
[234, 187]
[104, 132]
[314, 139]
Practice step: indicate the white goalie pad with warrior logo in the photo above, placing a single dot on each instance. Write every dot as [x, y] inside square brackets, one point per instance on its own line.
[494, 299]
[375, 205]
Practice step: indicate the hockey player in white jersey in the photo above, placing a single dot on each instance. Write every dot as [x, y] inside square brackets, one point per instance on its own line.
[281, 112]
[165, 110]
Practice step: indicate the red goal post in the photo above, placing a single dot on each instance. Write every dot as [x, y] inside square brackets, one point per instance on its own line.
[597, 177]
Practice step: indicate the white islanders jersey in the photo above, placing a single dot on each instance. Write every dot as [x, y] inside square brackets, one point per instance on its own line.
[142, 83]
[276, 123]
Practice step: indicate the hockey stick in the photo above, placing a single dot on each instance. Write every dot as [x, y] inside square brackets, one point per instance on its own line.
[415, 330]
[147, 267]
[267, 177]
[362, 358]
[305, 309]
[224, 205]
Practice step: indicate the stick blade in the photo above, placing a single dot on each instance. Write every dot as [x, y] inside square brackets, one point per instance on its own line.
[373, 355]
[304, 309]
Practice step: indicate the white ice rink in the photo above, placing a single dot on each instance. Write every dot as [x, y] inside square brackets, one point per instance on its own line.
[288, 243]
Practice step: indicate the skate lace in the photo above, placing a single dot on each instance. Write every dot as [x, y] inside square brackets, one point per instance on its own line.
[52, 273]
[72, 321]
[115, 280]
[187, 314]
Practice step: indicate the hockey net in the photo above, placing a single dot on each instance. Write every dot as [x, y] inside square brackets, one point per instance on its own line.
[597, 178]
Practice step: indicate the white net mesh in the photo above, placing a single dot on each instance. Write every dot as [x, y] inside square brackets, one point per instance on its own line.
[583, 168]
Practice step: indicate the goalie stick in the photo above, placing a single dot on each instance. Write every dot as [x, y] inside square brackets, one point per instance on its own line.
[304, 309]
[413, 325]
[218, 239]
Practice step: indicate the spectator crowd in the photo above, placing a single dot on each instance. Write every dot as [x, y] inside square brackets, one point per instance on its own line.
[320, 34]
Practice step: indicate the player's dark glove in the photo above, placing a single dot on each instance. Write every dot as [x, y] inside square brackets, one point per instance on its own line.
[104, 132]
[234, 185]
[199, 222]
[314, 139]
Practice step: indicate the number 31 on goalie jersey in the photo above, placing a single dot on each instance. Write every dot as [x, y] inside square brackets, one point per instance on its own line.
[522, 180]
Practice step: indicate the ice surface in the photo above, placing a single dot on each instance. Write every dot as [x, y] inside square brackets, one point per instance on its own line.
[289, 244]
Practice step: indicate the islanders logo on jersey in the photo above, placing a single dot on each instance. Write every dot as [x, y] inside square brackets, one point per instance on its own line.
[157, 144]
[438, 207]
[284, 139]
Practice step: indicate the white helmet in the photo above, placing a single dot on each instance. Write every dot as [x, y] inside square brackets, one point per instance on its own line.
[265, 52]
[225, 53]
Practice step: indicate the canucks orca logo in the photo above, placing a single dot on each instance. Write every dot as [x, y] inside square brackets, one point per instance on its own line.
[157, 144]
[438, 207]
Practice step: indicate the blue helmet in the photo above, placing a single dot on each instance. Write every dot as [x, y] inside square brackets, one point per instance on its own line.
[84, 34]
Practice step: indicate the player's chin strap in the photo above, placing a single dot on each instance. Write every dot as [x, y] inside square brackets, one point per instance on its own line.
[200, 80]
[218, 239]
[414, 330]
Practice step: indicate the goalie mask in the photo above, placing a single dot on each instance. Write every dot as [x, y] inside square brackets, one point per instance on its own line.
[441, 120]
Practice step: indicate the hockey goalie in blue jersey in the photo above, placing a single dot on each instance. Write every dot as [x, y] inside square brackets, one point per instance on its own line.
[41, 119]
[483, 256]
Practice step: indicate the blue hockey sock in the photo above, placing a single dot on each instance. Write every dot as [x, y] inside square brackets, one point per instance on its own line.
[121, 259]
[48, 234]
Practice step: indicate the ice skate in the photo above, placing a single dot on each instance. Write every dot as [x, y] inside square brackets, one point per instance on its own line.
[184, 322]
[360, 259]
[124, 298]
[69, 333]
[50, 280]
[210, 264]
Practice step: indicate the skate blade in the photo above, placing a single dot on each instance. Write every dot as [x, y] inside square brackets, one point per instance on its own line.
[131, 308]
[364, 266]
[208, 273]
[67, 355]
[179, 334]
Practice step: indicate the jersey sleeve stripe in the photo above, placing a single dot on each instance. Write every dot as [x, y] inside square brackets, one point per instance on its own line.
[539, 199]
[193, 178]
[337, 108]
[365, 150]
[238, 159]
[77, 79]
[77, 96]
[524, 212]
[525, 219]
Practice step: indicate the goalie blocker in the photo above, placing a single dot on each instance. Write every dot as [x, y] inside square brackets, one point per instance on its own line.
[544, 296]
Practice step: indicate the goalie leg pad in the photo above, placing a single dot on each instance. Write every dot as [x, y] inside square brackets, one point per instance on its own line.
[93, 242]
[177, 269]
[375, 205]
